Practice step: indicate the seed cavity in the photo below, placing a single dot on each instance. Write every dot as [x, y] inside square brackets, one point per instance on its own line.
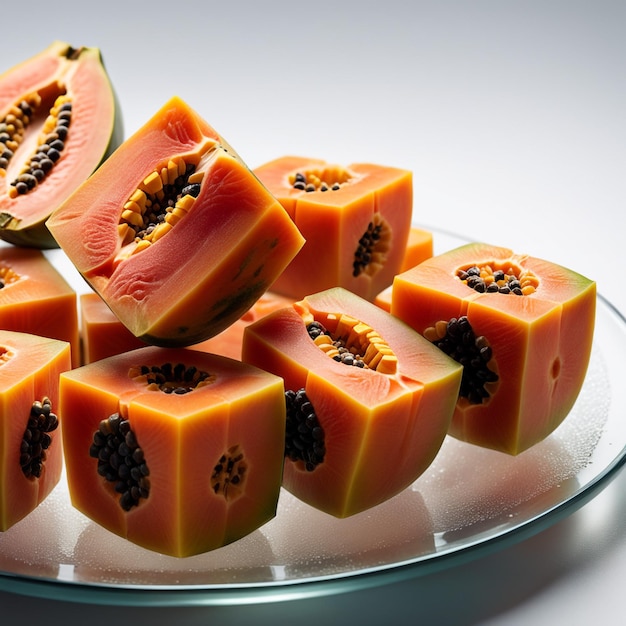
[304, 440]
[121, 460]
[352, 342]
[457, 339]
[177, 379]
[161, 200]
[37, 440]
[50, 143]
[503, 277]
[7, 276]
[373, 246]
[329, 178]
[229, 474]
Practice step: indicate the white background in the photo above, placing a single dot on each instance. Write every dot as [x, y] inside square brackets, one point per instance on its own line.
[511, 117]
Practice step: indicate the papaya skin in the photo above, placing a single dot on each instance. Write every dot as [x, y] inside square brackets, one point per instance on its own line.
[210, 268]
[96, 129]
[334, 221]
[381, 431]
[182, 437]
[541, 342]
[30, 370]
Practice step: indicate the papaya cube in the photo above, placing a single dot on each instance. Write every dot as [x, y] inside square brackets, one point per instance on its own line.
[102, 334]
[533, 322]
[355, 221]
[358, 433]
[36, 299]
[30, 446]
[198, 441]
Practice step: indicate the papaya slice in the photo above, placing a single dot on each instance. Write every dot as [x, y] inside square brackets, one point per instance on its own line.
[31, 457]
[198, 442]
[522, 326]
[36, 299]
[355, 220]
[174, 231]
[103, 335]
[59, 120]
[369, 401]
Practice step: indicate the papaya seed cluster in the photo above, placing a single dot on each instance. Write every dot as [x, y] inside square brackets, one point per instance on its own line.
[354, 343]
[457, 339]
[160, 201]
[329, 178]
[50, 143]
[499, 277]
[373, 246]
[304, 436]
[177, 379]
[229, 474]
[121, 460]
[36, 439]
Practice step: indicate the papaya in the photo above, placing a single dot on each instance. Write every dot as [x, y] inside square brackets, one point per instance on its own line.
[31, 458]
[176, 450]
[59, 119]
[36, 299]
[369, 400]
[523, 329]
[355, 221]
[419, 248]
[175, 232]
[103, 335]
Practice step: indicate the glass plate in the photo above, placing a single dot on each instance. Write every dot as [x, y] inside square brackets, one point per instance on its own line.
[469, 502]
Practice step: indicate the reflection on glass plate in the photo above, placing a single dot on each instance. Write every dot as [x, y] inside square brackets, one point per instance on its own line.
[468, 502]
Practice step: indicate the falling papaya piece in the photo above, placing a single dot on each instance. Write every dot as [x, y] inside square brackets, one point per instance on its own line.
[176, 281]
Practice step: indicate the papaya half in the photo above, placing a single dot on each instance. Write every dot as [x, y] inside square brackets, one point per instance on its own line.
[31, 457]
[176, 450]
[36, 299]
[355, 220]
[175, 232]
[521, 326]
[369, 400]
[59, 120]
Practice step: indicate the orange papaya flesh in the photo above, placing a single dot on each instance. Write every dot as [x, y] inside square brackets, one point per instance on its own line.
[418, 248]
[103, 335]
[36, 299]
[59, 119]
[31, 457]
[539, 342]
[381, 424]
[210, 466]
[355, 221]
[178, 261]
